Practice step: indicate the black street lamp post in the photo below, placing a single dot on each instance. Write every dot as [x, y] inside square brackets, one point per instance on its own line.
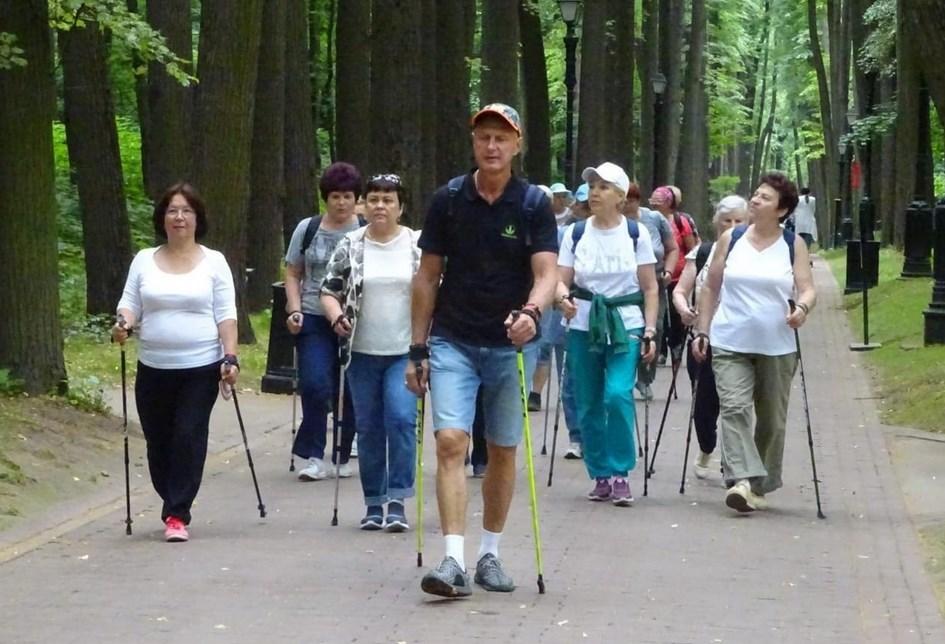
[659, 86]
[569, 10]
[935, 314]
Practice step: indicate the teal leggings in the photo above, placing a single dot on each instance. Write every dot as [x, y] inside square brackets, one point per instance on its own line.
[603, 387]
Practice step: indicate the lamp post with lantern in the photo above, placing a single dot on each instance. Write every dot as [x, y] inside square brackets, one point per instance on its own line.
[569, 11]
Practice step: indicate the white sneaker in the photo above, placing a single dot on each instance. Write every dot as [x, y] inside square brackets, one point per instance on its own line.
[740, 498]
[316, 470]
[701, 466]
[574, 452]
[354, 448]
[344, 471]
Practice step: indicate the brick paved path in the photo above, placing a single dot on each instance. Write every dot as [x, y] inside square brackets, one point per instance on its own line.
[671, 569]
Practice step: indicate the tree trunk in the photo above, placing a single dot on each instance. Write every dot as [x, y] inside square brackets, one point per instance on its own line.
[762, 95]
[267, 190]
[671, 45]
[535, 91]
[500, 60]
[170, 105]
[430, 76]
[353, 82]
[621, 61]
[925, 20]
[325, 118]
[300, 199]
[313, 53]
[144, 113]
[94, 155]
[831, 176]
[396, 99]
[692, 176]
[594, 83]
[886, 203]
[229, 55]
[649, 65]
[30, 335]
[455, 34]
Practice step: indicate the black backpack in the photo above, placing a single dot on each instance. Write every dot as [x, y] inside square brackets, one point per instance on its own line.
[312, 228]
[738, 231]
[530, 202]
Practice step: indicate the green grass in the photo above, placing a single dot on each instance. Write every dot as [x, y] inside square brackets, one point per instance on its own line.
[908, 376]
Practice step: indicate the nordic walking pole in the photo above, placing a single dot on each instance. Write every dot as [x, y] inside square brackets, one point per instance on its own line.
[692, 416]
[669, 397]
[295, 404]
[646, 427]
[336, 435]
[558, 402]
[544, 438]
[124, 425]
[530, 462]
[420, 412]
[249, 457]
[810, 434]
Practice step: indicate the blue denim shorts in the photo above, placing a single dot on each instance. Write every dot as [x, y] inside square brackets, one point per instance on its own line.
[458, 370]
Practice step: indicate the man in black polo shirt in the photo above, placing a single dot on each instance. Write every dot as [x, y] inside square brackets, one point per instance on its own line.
[493, 241]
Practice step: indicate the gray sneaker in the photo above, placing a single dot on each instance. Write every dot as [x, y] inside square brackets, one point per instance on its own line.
[446, 580]
[489, 575]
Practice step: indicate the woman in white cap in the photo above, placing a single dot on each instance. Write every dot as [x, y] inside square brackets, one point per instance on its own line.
[732, 211]
[608, 264]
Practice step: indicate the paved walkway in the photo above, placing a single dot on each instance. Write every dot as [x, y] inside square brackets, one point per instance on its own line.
[671, 569]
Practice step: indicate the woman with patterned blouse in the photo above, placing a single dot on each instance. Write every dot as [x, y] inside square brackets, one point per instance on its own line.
[366, 296]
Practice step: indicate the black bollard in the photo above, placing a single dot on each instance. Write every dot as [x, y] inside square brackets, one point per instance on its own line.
[935, 314]
[867, 263]
[918, 240]
[279, 372]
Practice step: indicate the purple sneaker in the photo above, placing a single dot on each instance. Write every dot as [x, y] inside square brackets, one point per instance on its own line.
[621, 493]
[601, 491]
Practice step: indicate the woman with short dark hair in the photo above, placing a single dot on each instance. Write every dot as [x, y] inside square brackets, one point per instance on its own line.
[366, 292]
[745, 316]
[306, 260]
[180, 295]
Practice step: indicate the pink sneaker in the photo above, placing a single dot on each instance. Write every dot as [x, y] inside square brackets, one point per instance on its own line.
[601, 491]
[175, 531]
[621, 493]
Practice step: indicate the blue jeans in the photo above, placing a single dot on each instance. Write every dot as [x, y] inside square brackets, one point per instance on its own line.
[387, 415]
[459, 370]
[317, 345]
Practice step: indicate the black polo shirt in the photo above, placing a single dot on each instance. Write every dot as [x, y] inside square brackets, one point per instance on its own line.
[487, 271]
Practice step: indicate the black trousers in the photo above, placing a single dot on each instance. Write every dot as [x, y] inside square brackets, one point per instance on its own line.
[676, 331]
[174, 406]
[706, 413]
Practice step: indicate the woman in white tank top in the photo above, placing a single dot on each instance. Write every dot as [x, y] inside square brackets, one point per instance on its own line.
[744, 315]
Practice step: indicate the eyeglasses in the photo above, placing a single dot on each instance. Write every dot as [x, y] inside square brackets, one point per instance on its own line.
[186, 212]
[389, 178]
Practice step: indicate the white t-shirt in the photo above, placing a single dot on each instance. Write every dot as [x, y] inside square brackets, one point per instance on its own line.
[179, 313]
[384, 318]
[804, 219]
[701, 275]
[753, 307]
[606, 264]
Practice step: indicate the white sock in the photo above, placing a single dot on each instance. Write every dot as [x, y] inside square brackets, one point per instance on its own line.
[489, 544]
[454, 548]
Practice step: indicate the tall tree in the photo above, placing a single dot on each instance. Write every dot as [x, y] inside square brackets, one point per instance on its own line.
[267, 190]
[396, 103]
[227, 66]
[535, 92]
[30, 334]
[671, 27]
[621, 58]
[829, 179]
[454, 46]
[594, 84]
[353, 82]
[92, 138]
[649, 66]
[167, 153]
[300, 199]
[429, 78]
[500, 59]
[692, 175]
[925, 20]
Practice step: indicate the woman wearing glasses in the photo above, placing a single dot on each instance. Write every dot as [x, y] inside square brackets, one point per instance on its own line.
[306, 260]
[180, 295]
[366, 295]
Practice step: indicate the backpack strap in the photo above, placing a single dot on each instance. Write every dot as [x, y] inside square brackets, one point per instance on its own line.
[702, 255]
[633, 228]
[310, 230]
[788, 235]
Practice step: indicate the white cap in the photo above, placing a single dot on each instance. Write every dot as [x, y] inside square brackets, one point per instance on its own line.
[609, 172]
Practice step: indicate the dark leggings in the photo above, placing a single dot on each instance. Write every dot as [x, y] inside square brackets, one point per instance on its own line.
[706, 414]
[676, 332]
[174, 407]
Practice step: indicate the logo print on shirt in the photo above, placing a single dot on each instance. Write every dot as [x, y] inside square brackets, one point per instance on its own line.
[509, 232]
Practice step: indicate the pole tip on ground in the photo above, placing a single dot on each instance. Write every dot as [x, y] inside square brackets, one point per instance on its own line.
[821, 515]
[262, 512]
[541, 585]
[334, 519]
[419, 560]
[128, 529]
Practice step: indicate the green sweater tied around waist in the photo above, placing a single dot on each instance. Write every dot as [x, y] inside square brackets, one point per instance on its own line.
[604, 321]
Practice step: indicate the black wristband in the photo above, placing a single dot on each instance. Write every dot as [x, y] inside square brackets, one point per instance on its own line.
[418, 353]
[534, 314]
[232, 360]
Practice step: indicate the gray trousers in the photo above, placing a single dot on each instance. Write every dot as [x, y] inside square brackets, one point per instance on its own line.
[753, 387]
